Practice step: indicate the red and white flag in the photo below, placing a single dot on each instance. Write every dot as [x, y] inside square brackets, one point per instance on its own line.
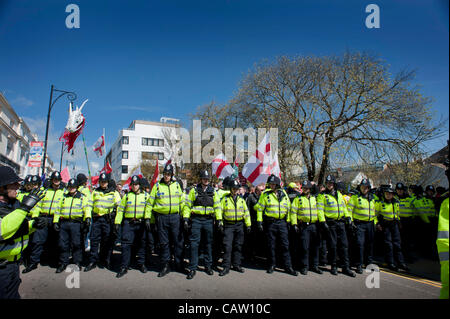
[275, 167]
[257, 169]
[99, 146]
[221, 168]
[106, 169]
[155, 175]
[65, 175]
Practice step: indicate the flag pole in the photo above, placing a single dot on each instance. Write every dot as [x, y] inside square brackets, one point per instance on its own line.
[85, 152]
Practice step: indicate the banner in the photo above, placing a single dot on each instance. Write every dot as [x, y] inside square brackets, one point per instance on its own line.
[36, 154]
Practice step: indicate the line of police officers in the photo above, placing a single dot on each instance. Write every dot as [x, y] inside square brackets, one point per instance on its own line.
[210, 216]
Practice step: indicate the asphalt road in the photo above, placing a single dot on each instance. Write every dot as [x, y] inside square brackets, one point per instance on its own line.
[254, 283]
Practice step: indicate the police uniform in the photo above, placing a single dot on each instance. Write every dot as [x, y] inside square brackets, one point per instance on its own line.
[235, 215]
[74, 211]
[442, 245]
[14, 231]
[165, 206]
[46, 208]
[362, 209]
[307, 214]
[130, 215]
[202, 207]
[389, 219]
[104, 202]
[337, 216]
[273, 208]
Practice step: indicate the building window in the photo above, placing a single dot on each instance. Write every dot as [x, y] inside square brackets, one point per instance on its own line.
[125, 140]
[152, 142]
[160, 156]
[124, 169]
[9, 147]
[152, 156]
[22, 154]
[124, 154]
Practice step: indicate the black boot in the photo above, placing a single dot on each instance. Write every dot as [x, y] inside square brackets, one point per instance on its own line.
[29, 268]
[317, 270]
[224, 272]
[291, 271]
[238, 269]
[304, 271]
[270, 269]
[142, 268]
[164, 271]
[392, 267]
[403, 267]
[191, 274]
[334, 270]
[89, 267]
[347, 271]
[209, 271]
[359, 269]
[61, 268]
[122, 272]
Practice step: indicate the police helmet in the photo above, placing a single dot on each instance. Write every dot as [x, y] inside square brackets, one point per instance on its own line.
[227, 182]
[204, 174]
[168, 169]
[8, 176]
[430, 188]
[27, 180]
[103, 178]
[330, 179]
[135, 180]
[56, 175]
[274, 180]
[365, 182]
[72, 183]
[307, 184]
[400, 186]
[81, 179]
[388, 190]
[235, 184]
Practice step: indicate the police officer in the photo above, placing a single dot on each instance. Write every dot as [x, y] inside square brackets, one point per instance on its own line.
[202, 207]
[387, 210]
[14, 230]
[165, 205]
[336, 216]
[273, 208]
[73, 215]
[442, 238]
[130, 214]
[306, 213]
[105, 199]
[362, 209]
[46, 208]
[408, 218]
[235, 214]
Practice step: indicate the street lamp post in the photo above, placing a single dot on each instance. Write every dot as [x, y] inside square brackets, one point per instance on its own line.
[72, 97]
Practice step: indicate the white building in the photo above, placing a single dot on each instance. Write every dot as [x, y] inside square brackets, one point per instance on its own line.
[142, 140]
[15, 138]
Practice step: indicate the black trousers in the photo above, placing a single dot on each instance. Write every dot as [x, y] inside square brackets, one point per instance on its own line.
[101, 237]
[337, 242]
[392, 242]
[310, 242]
[365, 236]
[10, 281]
[170, 234]
[233, 239]
[278, 230]
[133, 242]
[70, 239]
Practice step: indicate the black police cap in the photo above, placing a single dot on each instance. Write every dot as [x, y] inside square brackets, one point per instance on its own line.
[306, 184]
[103, 177]
[330, 179]
[72, 183]
[135, 180]
[56, 175]
[8, 176]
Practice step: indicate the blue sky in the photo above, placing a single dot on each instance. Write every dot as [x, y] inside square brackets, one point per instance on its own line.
[148, 59]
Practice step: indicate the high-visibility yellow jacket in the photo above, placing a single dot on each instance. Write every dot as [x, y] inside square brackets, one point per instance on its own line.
[333, 208]
[132, 205]
[86, 192]
[362, 208]
[442, 247]
[389, 211]
[202, 203]
[305, 209]
[405, 206]
[273, 204]
[14, 232]
[424, 208]
[165, 199]
[50, 203]
[222, 193]
[104, 202]
[234, 210]
[73, 207]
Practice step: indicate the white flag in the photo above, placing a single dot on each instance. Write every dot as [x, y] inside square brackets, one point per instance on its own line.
[99, 146]
[257, 169]
[221, 168]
